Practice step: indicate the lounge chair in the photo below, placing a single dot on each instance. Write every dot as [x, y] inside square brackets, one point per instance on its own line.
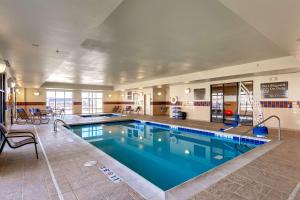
[137, 110]
[50, 111]
[164, 110]
[60, 112]
[41, 116]
[23, 118]
[116, 109]
[128, 109]
[26, 137]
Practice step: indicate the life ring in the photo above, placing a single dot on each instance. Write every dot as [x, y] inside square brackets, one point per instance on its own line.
[174, 100]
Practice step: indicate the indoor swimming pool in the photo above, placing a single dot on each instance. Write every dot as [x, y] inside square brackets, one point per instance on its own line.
[163, 154]
[107, 115]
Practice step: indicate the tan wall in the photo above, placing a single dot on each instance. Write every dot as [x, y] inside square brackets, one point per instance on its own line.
[161, 102]
[290, 117]
[113, 99]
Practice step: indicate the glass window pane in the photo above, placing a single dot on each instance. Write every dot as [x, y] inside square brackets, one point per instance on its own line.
[94, 95]
[84, 95]
[99, 103]
[51, 102]
[85, 111]
[99, 95]
[68, 103]
[50, 94]
[60, 99]
[99, 110]
[69, 95]
[85, 103]
[60, 94]
[60, 103]
[92, 102]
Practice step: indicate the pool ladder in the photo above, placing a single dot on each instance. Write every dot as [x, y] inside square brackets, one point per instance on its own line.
[55, 124]
[267, 119]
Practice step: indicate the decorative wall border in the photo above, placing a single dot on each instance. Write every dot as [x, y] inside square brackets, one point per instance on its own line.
[201, 103]
[41, 103]
[31, 103]
[278, 104]
[159, 103]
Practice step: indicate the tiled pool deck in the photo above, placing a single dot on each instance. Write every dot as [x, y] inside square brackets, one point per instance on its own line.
[274, 175]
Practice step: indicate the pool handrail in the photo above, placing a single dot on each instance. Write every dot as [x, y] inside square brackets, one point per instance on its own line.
[55, 124]
[268, 118]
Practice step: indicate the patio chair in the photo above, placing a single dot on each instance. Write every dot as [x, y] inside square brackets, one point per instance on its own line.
[137, 110]
[164, 110]
[23, 118]
[116, 109]
[60, 112]
[49, 111]
[41, 116]
[25, 137]
[128, 109]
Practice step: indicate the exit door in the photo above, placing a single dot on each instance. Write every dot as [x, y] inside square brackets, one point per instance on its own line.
[225, 100]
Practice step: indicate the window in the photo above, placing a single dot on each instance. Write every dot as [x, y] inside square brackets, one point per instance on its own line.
[60, 99]
[92, 102]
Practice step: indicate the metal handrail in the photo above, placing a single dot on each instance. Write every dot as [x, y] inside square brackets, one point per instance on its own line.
[270, 117]
[55, 124]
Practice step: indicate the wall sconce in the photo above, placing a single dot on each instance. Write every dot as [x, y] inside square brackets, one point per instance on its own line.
[11, 83]
[2, 67]
[18, 91]
[187, 90]
[109, 95]
[36, 93]
[122, 95]
[159, 94]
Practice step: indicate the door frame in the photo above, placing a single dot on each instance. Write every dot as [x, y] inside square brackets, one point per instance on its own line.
[237, 97]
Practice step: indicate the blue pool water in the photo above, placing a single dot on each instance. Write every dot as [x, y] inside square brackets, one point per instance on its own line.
[165, 156]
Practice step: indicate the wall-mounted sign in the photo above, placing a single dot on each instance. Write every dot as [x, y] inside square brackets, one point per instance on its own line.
[274, 90]
[199, 94]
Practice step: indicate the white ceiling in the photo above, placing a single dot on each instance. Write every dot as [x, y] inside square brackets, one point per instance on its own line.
[54, 24]
[108, 42]
[278, 20]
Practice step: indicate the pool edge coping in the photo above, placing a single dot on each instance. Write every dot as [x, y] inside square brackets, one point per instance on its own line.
[201, 182]
[130, 177]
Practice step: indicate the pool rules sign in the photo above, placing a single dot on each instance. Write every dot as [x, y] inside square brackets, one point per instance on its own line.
[274, 90]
